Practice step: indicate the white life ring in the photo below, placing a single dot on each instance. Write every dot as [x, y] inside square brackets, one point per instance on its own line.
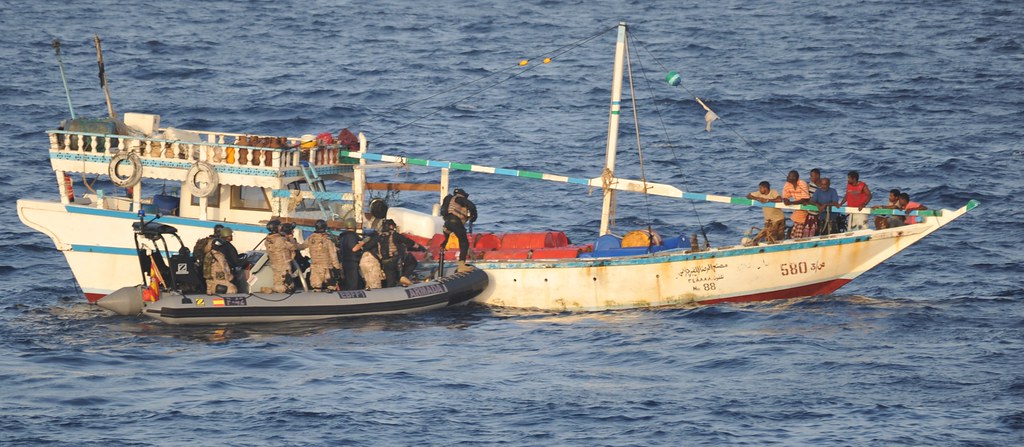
[114, 169]
[201, 179]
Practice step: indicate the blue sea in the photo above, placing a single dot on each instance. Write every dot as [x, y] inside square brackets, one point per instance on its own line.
[924, 96]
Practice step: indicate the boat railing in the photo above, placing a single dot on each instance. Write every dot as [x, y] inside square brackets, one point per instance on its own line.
[209, 147]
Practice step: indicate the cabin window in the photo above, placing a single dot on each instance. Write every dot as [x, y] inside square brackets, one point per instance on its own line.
[305, 204]
[211, 202]
[249, 198]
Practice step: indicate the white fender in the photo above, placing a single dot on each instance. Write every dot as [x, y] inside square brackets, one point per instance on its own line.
[202, 179]
[114, 169]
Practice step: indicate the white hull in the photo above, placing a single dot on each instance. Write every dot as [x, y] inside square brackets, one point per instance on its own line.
[791, 269]
[100, 246]
[101, 254]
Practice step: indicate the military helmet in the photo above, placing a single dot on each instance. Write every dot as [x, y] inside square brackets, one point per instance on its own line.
[287, 227]
[350, 223]
[461, 192]
[274, 226]
[216, 229]
[224, 232]
[320, 225]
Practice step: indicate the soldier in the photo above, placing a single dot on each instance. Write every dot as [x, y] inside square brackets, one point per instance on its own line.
[457, 210]
[229, 250]
[391, 248]
[217, 271]
[280, 250]
[349, 258]
[203, 245]
[323, 255]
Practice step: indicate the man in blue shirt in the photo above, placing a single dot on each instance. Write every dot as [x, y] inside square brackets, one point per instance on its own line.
[825, 198]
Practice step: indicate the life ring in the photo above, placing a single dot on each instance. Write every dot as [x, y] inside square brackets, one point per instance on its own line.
[201, 179]
[114, 169]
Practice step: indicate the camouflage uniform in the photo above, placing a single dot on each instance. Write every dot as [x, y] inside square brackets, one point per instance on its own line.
[281, 251]
[323, 255]
[217, 273]
[369, 266]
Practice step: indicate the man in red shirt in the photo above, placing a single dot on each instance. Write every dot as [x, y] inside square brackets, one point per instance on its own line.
[857, 195]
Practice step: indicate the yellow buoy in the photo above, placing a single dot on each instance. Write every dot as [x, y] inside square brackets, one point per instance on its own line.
[641, 238]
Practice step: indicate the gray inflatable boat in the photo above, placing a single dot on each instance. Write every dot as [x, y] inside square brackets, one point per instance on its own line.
[179, 308]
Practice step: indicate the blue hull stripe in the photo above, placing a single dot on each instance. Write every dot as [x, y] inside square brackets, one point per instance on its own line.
[172, 220]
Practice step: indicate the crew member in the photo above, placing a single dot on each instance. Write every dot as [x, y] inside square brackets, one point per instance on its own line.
[203, 245]
[229, 250]
[280, 250]
[457, 210]
[347, 240]
[392, 249]
[217, 271]
[323, 255]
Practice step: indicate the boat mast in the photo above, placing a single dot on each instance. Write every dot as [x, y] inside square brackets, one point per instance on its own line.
[608, 205]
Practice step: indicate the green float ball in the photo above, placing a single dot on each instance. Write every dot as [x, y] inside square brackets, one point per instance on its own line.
[673, 78]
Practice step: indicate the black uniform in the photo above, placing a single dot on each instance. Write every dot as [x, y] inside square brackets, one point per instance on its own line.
[397, 262]
[349, 259]
[457, 209]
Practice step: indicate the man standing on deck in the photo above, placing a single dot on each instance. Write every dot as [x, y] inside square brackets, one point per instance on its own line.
[825, 198]
[774, 218]
[457, 210]
[794, 192]
[813, 183]
[857, 195]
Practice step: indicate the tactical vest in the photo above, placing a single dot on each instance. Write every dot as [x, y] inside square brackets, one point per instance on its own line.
[388, 248]
[456, 209]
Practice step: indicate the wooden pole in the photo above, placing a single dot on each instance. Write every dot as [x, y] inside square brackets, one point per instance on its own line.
[103, 77]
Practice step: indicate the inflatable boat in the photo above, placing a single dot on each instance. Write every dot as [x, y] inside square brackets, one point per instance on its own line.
[174, 294]
[179, 308]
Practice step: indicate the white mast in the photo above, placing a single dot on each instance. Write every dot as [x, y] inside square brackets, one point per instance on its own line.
[607, 208]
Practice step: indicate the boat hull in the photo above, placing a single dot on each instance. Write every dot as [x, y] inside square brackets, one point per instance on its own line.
[790, 269]
[175, 308]
[99, 248]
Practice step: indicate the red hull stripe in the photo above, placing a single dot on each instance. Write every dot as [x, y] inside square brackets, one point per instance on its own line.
[822, 288]
[94, 297]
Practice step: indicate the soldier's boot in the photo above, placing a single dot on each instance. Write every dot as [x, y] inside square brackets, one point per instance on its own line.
[463, 268]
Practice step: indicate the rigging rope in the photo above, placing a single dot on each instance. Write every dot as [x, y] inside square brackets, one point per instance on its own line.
[639, 147]
[707, 116]
[672, 147]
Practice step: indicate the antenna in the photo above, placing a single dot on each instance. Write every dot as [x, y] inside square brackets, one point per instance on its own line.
[60, 63]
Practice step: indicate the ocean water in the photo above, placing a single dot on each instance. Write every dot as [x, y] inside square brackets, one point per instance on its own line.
[923, 96]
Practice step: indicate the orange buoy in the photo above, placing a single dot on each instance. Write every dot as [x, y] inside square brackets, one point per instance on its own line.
[527, 240]
[641, 238]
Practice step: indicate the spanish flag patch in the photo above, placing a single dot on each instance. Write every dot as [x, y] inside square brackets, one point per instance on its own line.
[218, 301]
